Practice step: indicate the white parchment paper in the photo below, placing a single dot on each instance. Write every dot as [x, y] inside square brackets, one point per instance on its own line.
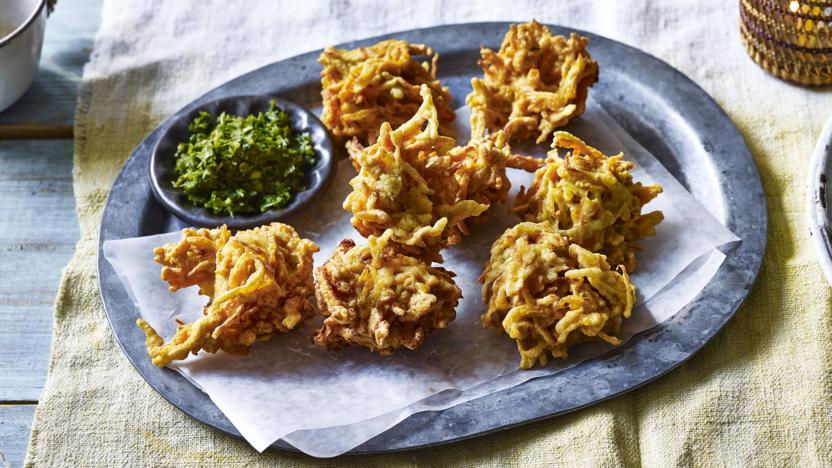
[328, 402]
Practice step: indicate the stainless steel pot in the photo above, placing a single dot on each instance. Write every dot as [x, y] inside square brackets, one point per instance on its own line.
[22, 24]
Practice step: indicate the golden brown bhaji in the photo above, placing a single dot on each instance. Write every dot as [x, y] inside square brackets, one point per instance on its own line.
[548, 294]
[364, 87]
[591, 199]
[534, 84]
[416, 183]
[192, 260]
[378, 298]
[261, 285]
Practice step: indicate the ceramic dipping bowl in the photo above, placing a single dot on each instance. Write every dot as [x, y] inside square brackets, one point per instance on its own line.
[162, 161]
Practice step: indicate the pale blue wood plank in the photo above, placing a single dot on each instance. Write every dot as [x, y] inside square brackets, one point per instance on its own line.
[38, 232]
[15, 425]
[38, 207]
[51, 100]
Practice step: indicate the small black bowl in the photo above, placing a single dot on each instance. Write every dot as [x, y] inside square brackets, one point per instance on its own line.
[162, 160]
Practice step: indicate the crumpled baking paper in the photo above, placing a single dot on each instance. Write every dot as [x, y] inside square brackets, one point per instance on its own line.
[328, 402]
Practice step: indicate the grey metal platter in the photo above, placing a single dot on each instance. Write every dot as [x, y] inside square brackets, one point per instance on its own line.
[819, 200]
[661, 108]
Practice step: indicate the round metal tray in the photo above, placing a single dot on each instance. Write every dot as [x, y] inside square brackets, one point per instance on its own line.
[661, 108]
[819, 200]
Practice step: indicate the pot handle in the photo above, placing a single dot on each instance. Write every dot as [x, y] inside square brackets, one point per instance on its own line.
[50, 6]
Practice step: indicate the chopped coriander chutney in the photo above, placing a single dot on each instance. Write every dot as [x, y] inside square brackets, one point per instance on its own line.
[239, 165]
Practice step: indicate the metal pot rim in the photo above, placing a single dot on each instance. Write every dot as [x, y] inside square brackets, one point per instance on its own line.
[31, 19]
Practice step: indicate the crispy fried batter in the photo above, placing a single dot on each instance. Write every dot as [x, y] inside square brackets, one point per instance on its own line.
[479, 170]
[262, 284]
[591, 199]
[416, 183]
[378, 298]
[534, 84]
[525, 163]
[364, 87]
[192, 260]
[548, 294]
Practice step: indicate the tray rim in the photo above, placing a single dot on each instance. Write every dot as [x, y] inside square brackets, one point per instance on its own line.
[819, 214]
[758, 248]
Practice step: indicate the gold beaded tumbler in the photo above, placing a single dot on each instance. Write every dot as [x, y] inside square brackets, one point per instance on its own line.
[792, 39]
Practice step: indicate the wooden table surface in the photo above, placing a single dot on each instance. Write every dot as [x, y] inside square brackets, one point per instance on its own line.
[38, 225]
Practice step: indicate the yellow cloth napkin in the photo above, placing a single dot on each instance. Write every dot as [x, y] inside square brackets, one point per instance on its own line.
[759, 394]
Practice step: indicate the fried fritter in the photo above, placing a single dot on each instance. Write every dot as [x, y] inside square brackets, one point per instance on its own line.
[192, 260]
[262, 285]
[364, 87]
[378, 298]
[479, 170]
[536, 83]
[591, 199]
[548, 294]
[414, 182]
